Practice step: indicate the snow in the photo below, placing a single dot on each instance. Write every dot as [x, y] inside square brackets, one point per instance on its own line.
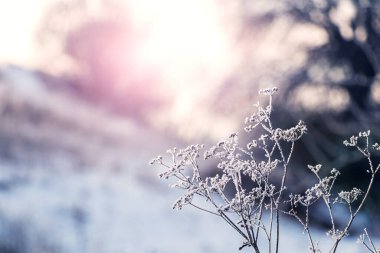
[99, 212]
[93, 191]
[105, 212]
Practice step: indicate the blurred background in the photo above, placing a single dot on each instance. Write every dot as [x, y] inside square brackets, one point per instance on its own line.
[91, 90]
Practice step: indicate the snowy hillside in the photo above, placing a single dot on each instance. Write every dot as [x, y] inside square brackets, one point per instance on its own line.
[75, 179]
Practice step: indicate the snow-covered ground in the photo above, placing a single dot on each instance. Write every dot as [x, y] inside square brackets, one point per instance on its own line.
[108, 212]
[75, 179]
[99, 212]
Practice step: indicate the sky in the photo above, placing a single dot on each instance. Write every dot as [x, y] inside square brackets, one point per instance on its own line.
[190, 31]
[18, 20]
[189, 43]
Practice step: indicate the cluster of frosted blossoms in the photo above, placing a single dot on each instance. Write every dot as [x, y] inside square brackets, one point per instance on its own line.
[270, 152]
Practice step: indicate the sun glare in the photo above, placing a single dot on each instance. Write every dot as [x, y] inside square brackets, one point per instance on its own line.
[191, 45]
[186, 45]
[185, 39]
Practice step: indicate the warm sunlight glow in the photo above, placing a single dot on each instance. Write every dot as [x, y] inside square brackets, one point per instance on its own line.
[177, 49]
[189, 43]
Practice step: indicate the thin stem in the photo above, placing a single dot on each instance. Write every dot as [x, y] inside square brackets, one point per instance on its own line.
[337, 241]
[286, 161]
[227, 219]
[370, 240]
[306, 228]
[366, 245]
[271, 226]
[232, 224]
[310, 239]
[205, 210]
[328, 204]
[260, 215]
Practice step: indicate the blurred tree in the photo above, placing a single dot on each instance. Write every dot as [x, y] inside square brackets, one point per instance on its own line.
[352, 53]
[336, 89]
[325, 57]
[348, 63]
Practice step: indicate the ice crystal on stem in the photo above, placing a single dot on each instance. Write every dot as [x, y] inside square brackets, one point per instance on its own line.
[243, 208]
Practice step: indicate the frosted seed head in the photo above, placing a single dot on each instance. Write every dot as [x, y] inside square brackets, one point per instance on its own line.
[268, 91]
[315, 168]
[352, 142]
[157, 160]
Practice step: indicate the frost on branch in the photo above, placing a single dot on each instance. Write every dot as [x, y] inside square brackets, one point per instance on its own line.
[263, 162]
[292, 134]
[352, 142]
[315, 168]
[269, 91]
[349, 196]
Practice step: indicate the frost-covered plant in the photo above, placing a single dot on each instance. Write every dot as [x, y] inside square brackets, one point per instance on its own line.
[255, 211]
[366, 240]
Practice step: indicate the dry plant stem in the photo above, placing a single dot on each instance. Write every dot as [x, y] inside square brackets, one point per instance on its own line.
[245, 211]
[204, 210]
[285, 164]
[221, 213]
[249, 238]
[370, 241]
[306, 228]
[227, 219]
[270, 227]
[231, 223]
[369, 249]
[326, 200]
[306, 225]
[311, 240]
[352, 216]
[260, 215]
[328, 205]
[285, 172]
[277, 203]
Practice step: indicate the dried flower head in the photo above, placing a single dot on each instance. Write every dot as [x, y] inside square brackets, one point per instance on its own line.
[349, 196]
[268, 91]
[260, 161]
[315, 168]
